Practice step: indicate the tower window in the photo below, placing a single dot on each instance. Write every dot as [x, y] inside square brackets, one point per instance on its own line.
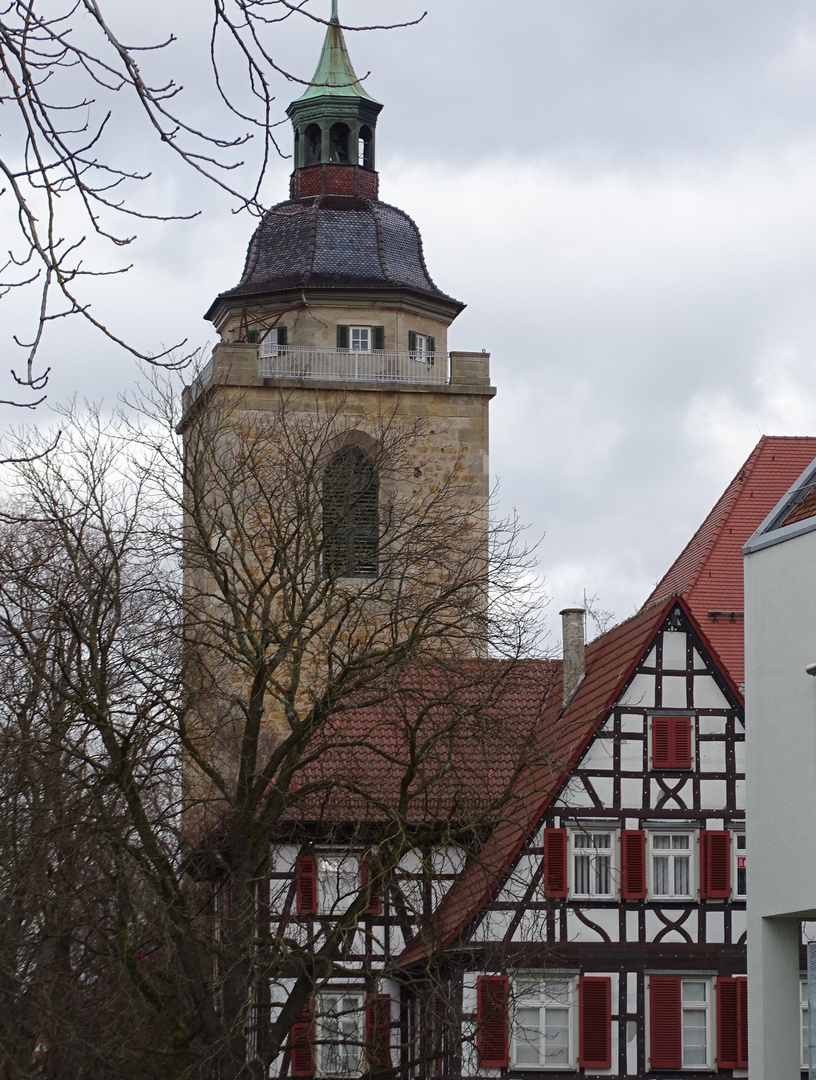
[339, 144]
[312, 146]
[350, 515]
[365, 148]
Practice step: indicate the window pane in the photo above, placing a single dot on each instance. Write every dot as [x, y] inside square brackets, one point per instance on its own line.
[558, 991]
[603, 840]
[661, 841]
[581, 840]
[661, 875]
[528, 1036]
[694, 1037]
[582, 874]
[694, 991]
[681, 876]
[603, 875]
[556, 1037]
[681, 842]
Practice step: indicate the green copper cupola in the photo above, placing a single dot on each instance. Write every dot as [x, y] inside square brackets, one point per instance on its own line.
[335, 123]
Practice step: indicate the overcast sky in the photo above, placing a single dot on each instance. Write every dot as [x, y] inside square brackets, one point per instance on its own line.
[623, 192]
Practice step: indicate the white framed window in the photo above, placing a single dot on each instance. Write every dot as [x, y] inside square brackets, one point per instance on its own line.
[338, 882]
[544, 1018]
[273, 343]
[740, 865]
[360, 338]
[695, 1009]
[592, 863]
[672, 864]
[421, 346]
[340, 1034]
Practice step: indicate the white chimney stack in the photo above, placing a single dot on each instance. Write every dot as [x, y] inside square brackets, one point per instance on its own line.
[572, 631]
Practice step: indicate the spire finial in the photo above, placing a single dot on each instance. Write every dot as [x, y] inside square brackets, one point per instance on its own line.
[335, 16]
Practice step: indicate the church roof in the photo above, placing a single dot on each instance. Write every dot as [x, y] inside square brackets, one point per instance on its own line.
[335, 242]
[708, 571]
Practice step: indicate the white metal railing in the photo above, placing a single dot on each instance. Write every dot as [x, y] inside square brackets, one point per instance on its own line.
[378, 365]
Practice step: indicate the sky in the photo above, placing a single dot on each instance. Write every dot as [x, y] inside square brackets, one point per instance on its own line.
[622, 191]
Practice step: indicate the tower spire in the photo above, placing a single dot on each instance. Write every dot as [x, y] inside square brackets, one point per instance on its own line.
[334, 16]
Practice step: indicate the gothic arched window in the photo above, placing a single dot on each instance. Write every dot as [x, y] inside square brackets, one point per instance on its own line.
[351, 496]
[339, 144]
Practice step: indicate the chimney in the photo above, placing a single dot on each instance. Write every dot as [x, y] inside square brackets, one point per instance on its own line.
[572, 630]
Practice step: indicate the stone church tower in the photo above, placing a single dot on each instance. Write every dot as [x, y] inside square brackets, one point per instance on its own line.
[335, 298]
[336, 327]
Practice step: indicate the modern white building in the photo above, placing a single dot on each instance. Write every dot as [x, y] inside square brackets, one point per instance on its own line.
[780, 707]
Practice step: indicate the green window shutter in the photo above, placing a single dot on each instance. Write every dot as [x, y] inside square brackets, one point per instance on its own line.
[377, 337]
[252, 337]
[431, 343]
[282, 335]
[412, 341]
[342, 337]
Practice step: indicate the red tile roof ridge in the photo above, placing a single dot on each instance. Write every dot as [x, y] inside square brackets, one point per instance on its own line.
[543, 782]
[706, 536]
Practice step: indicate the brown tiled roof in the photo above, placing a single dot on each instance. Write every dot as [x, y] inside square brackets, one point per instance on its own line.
[708, 572]
[610, 662]
[442, 743]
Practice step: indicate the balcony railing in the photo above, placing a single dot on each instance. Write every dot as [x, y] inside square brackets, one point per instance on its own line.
[379, 365]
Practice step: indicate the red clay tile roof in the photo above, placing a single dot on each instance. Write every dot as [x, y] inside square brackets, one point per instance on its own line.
[708, 572]
[804, 509]
[610, 662]
[442, 743]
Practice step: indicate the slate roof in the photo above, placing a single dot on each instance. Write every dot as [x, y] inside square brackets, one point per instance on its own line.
[610, 662]
[336, 242]
[708, 572]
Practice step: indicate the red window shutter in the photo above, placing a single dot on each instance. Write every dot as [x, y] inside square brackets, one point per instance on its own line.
[555, 863]
[306, 883]
[633, 864]
[366, 873]
[715, 864]
[671, 742]
[378, 1031]
[661, 742]
[301, 1043]
[680, 742]
[665, 1049]
[742, 1023]
[727, 1024]
[595, 1004]
[492, 1017]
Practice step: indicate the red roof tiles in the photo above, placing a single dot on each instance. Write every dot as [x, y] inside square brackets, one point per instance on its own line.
[708, 572]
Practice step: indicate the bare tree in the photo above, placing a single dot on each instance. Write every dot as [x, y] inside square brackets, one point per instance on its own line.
[209, 687]
[71, 85]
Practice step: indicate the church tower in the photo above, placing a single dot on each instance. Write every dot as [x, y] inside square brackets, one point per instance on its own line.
[333, 349]
[335, 297]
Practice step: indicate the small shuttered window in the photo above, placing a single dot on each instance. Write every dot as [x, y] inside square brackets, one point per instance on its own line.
[342, 337]
[732, 1023]
[715, 865]
[301, 1043]
[377, 337]
[555, 863]
[493, 1020]
[671, 742]
[595, 1021]
[633, 864]
[368, 869]
[350, 515]
[665, 1028]
[306, 885]
[378, 1032]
